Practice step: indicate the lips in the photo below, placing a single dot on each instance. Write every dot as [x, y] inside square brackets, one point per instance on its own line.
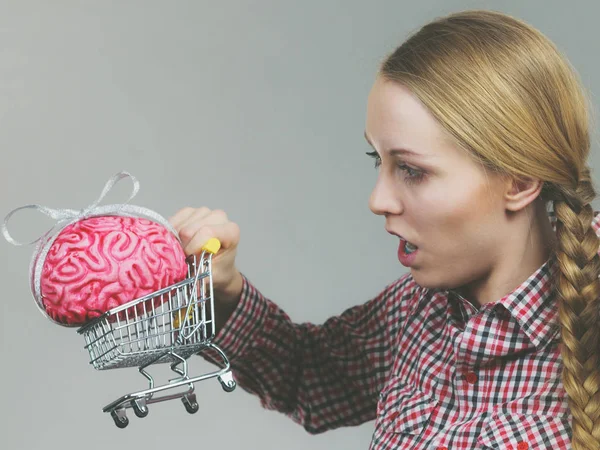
[401, 237]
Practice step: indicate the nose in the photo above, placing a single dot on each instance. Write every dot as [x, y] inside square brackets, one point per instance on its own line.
[384, 199]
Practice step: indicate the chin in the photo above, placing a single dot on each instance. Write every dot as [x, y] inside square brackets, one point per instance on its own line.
[429, 281]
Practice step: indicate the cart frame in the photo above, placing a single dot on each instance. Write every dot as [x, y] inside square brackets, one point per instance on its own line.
[166, 326]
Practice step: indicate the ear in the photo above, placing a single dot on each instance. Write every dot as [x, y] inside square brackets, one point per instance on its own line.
[520, 193]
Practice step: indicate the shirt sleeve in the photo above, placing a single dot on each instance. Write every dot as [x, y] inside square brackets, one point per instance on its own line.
[321, 376]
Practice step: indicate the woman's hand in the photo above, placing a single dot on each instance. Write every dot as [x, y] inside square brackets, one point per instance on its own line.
[195, 227]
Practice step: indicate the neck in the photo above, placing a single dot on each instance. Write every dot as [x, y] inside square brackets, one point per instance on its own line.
[520, 259]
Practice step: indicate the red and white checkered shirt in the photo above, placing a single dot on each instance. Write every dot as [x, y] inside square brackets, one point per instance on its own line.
[433, 371]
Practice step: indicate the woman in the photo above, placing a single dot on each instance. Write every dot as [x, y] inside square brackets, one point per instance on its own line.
[478, 125]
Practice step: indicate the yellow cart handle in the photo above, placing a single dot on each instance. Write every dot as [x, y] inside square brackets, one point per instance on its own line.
[212, 246]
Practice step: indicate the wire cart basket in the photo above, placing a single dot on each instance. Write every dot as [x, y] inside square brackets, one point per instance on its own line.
[166, 326]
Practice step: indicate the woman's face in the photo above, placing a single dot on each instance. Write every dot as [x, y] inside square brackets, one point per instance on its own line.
[437, 198]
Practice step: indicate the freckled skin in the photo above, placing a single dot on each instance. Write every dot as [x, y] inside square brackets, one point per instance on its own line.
[99, 263]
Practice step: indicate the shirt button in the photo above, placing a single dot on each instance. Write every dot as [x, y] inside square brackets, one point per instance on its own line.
[471, 377]
[522, 446]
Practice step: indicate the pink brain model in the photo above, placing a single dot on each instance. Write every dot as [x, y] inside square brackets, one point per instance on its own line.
[102, 262]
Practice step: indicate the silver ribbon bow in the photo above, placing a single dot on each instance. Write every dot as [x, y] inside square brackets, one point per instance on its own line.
[65, 217]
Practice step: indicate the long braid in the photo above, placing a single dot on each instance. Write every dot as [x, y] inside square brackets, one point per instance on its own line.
[578, 295]
[506, 95]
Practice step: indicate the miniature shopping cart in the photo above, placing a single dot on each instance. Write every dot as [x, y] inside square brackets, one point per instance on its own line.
[167, 326]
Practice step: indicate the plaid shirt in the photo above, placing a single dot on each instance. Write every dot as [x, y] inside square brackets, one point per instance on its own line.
[433, 371]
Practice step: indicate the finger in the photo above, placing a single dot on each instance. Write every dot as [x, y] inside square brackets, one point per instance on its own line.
[183, 215]
[193, 245]
[214, 217]
[192, 223]
[199, 218]
[180, 216]
[228, 234]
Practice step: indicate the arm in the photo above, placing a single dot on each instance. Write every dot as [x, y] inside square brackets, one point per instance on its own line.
[321, 376]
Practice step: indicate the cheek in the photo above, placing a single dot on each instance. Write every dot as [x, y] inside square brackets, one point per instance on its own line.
[457, 217]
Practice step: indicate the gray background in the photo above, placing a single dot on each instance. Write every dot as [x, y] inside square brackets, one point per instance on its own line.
[254, 107]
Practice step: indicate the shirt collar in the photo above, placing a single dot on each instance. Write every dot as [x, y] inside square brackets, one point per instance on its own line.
[533, 303]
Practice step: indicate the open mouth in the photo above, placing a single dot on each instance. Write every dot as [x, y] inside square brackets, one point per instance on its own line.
[409, 248]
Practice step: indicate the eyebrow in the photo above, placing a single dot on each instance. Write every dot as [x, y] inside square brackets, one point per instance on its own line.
[400, 151]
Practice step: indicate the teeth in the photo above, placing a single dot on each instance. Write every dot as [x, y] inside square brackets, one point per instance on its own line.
[410, 248]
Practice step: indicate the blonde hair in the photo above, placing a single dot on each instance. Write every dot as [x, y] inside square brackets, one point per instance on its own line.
[510, 99]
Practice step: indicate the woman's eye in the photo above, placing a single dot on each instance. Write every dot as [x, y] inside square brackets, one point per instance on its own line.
[376, 157]
[413, 176]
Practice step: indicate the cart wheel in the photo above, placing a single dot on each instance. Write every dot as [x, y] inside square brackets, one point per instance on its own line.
[228, 386]
[190, 403]
[140, 410]
[227, 382]
[121, 420]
